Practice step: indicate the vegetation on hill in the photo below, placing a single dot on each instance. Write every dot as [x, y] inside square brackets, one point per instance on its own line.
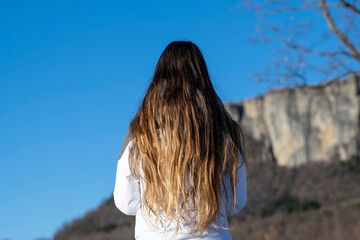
[317, 200]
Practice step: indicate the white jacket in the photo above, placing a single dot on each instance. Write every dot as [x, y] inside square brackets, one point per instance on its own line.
[127, 198]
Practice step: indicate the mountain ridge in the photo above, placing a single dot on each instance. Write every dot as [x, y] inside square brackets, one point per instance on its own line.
[293, 126]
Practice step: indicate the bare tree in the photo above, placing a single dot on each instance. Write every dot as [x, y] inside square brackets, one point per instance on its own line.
[315, 36]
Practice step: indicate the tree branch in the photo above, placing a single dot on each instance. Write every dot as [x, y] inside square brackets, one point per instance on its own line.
[316, 52]
[280, 6]
[330, 21]
[350, 6]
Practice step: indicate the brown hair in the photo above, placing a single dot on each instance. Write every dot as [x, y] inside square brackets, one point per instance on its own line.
[182, 139]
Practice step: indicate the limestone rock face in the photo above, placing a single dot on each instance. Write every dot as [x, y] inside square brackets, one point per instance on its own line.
[293, 126]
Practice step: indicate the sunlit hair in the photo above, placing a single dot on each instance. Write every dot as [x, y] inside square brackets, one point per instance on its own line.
[184, 142]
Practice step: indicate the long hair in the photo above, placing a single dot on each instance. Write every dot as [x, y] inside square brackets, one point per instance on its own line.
[184, 142]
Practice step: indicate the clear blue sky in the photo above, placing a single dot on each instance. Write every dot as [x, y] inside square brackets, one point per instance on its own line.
[72, 74]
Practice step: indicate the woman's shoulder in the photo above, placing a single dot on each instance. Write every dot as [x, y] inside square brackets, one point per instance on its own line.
[127, 140]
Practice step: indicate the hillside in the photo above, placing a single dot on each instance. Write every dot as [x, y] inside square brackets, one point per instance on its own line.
[313, 201]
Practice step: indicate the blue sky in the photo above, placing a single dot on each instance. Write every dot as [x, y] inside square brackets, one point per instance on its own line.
[72, 74]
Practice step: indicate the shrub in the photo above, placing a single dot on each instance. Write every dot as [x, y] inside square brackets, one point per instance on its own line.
[290, 204]
[352, 164]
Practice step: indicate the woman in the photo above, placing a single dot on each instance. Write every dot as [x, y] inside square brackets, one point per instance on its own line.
[181, 168]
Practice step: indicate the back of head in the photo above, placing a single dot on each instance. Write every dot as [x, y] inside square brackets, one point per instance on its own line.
[198, 141]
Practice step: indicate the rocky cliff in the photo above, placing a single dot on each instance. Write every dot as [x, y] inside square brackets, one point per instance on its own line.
[293, 126]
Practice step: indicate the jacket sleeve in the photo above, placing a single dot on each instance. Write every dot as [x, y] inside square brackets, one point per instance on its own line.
[127, 188]
[241, 190]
